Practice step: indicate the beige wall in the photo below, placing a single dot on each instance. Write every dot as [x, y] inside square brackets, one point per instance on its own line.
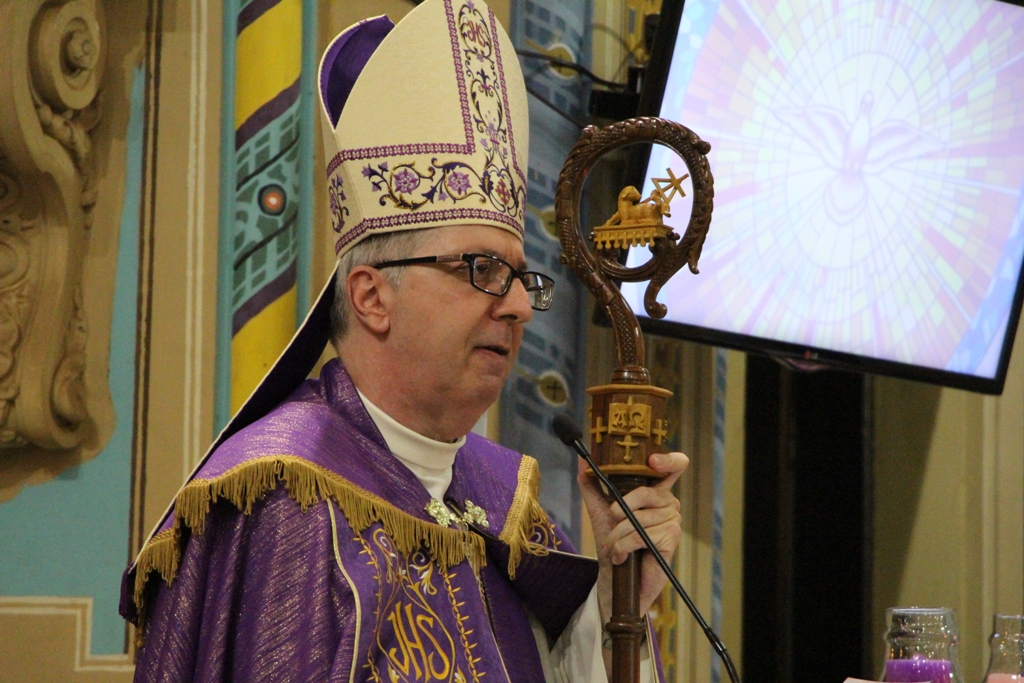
[732, 522]
[183, 213]
[949, 505]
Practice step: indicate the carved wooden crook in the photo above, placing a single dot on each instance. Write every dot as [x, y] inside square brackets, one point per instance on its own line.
[627, 416]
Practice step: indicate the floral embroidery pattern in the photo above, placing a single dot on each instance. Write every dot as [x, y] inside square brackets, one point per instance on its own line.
[335, 198]
[450, 181]
[477, 178]
[458, 182]
[423, 218]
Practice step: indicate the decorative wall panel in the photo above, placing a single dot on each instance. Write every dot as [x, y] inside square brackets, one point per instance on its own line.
[548, 375]
[53, 58]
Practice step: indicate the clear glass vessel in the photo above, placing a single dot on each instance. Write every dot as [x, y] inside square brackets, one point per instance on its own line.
[922, 646]
[1006, 645]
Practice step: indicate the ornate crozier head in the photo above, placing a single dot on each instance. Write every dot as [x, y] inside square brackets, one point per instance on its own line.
[425, 124]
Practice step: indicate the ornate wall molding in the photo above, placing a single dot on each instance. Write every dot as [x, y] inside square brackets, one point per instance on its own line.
[51, 65]
[49, 638]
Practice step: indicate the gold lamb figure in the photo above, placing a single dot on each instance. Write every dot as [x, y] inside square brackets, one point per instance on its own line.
[639, 222]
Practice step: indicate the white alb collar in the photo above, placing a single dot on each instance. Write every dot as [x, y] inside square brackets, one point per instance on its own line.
[431, 461]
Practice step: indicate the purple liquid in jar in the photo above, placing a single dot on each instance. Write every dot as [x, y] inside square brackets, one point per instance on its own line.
[918, 669]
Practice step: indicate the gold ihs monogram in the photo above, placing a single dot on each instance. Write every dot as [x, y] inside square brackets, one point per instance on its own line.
[409, 632]
[418, 653]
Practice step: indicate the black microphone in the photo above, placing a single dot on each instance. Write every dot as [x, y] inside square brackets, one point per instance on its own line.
[569, 434]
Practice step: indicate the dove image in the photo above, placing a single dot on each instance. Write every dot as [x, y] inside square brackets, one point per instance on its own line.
[869, 180]
[853, 148]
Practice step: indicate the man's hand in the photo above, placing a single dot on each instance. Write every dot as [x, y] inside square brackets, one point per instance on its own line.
[656, 508]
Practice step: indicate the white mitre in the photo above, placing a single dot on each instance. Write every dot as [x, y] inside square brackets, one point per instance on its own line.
[434, 130]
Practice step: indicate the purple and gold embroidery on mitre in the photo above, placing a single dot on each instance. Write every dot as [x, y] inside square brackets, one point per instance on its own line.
[429, 135]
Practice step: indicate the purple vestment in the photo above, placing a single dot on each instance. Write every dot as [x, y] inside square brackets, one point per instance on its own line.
[302, 551]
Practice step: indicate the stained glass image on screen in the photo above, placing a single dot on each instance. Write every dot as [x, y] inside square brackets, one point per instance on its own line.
[869, 168]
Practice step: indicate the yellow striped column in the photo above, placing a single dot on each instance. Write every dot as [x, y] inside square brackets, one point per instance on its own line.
[262, 236]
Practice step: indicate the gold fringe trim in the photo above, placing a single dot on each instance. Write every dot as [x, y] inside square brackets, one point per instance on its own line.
[307, 484]
[163, 555]
[523, 515]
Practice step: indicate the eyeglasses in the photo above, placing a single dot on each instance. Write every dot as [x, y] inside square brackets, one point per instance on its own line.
[492, 275]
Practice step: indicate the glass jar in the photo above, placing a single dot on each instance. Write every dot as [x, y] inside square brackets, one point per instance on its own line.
[922, 646]
[1006, 644]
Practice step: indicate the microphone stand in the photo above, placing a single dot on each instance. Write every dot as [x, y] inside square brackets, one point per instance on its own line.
[569, 434]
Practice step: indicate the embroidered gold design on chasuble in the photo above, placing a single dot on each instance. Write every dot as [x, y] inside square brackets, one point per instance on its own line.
[460, 620]
[542, 535]
[412, 643]
[410, 639]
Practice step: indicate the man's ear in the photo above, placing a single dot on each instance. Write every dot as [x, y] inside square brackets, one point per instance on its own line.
[370, 296]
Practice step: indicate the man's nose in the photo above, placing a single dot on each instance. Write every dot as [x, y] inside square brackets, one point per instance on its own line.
[515, 304]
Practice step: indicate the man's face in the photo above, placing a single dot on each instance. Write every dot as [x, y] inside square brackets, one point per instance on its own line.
[454, 344]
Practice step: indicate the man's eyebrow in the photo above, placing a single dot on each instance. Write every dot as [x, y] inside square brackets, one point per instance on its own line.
[522, 265]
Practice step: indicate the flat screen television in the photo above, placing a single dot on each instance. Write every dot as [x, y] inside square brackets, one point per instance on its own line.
[869, 181]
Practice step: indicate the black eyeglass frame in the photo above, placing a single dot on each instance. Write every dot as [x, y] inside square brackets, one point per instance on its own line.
[469, 258]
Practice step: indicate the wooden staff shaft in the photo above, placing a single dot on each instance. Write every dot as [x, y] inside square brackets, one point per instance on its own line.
[626, 625]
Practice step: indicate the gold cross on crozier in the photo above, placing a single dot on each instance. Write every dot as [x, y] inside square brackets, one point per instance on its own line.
[599, 430]
[660, 430]
[676, 185]
[628, 444]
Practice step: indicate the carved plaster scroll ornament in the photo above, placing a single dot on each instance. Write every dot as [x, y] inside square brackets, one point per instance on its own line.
[51, 66]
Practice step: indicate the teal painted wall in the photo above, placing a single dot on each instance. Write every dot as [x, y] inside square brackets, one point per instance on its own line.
[69, 537]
